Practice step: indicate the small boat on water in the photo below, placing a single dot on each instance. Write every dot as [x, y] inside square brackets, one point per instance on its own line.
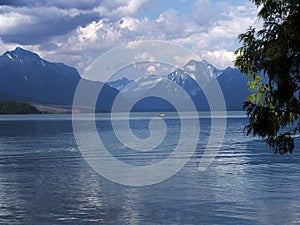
[160, 114]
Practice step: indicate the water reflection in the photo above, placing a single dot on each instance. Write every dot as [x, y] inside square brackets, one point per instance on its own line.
[44, 180]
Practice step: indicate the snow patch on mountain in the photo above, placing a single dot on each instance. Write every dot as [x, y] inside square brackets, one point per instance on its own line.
[191, 68]
[143, 83]
[43, 64]
[191, 78]
[149, 83]
[9, 56]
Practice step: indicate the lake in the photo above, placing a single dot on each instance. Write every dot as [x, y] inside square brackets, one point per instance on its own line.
[44, 179]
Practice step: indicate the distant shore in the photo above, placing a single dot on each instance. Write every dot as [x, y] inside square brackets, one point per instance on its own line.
[17, 107]
[13, 107]
[53, 109]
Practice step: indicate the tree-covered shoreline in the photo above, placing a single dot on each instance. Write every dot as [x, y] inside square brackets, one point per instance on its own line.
[13, 107]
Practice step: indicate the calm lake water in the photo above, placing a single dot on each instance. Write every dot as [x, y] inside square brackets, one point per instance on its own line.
[45, 180]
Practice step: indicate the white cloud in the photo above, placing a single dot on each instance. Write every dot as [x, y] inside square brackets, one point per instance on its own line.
[38, 25]
[129, 23]
[152, 69]
[219, 58]
[182, 60]
[215, 43]
[131, 7]
[219, 40]
[114, 10]
[211, 32]
[11, 20]
[204, 12]
[11, 46]
[95, 31]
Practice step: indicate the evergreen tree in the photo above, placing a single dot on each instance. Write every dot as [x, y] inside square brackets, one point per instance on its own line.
[270, 57]
[11, 107]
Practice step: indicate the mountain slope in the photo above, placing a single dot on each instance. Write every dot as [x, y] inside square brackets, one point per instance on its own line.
[120, 83]
[232, 83]
[24, 76]
[192, 73]
[234, 88]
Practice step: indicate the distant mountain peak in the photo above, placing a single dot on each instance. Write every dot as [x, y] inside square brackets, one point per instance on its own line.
[193, 77]
[30, 61]
[23, 52]
[19, 49]
[201, 72]
[19, 54]
[194, 65]
[25, 76]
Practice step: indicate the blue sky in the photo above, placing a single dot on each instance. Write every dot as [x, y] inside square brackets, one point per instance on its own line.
[77, 32]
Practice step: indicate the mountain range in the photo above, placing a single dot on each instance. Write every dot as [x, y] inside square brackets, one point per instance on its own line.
[232, 83]
[25, 76]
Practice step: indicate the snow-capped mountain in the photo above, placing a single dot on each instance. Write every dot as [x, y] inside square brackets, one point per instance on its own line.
[25, 76]
[192, 78]
[200, 71]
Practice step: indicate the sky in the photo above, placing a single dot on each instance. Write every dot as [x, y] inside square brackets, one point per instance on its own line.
[76, 32]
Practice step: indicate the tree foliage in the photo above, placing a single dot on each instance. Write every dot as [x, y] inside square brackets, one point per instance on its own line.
[11, 107]
[270, 57]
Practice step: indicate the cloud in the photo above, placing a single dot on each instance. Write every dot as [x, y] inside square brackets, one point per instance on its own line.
[11, 21]
[11, 46]
[77, 32]
[219, 41]
[37, 25]
[131, 7]
[214, 41]
[204, 12]
[219, 58]
[35, 22]
[115, 10]
[66, 4]
[129, 23]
